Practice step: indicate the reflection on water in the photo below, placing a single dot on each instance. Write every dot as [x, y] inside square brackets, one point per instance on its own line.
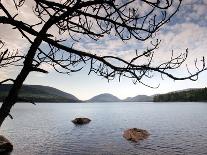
[175, 128]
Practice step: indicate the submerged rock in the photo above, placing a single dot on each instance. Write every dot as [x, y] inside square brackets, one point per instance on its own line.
[135, 134]
[5, 145]
[80, 121]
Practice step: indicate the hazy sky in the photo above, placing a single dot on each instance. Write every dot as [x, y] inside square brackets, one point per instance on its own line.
[188, 29]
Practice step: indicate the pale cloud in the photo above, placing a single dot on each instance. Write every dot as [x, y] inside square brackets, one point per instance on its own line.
[183, 36]
[3, 74]
[45, 67]
[8, 72]
[12, 37]
[176, 37]
[200, 9]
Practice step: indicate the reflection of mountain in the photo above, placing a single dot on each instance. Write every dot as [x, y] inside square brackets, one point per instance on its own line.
[139, 98]
[39, 93]
[104, 98]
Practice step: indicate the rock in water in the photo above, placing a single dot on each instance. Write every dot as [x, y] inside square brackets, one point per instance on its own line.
[5, 145]
[135, 134]
[80, 121]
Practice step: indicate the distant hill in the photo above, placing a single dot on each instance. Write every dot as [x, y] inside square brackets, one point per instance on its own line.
[38, 93]
[187, 95]
[139, 98]
[104, 98]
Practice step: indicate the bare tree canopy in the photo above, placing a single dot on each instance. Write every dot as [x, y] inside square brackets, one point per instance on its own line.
[73, 19]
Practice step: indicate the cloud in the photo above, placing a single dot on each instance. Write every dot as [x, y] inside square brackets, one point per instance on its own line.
[4, 74]
[183, 36]
[12, 38]
[10, 35]
[177, 35]
[192, 11]
[8, 72]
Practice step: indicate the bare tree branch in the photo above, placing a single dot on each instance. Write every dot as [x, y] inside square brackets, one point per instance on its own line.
[6, 80]
[93, 19]
[8, 58]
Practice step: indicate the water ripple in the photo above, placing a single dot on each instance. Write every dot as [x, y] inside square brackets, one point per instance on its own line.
[175, 128]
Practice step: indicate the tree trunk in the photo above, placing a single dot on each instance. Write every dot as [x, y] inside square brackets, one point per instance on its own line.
[12, 97]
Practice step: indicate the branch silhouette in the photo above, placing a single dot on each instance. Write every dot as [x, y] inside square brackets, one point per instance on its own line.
[95, 19]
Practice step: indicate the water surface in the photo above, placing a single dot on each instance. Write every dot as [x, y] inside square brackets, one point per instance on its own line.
[46, 129]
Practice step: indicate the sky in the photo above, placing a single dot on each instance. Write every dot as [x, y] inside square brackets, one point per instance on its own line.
[187, 29]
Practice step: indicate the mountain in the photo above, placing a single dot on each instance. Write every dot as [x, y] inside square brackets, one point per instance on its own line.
[38, 93]
[139, 98]
[187, 95]
[104, 98]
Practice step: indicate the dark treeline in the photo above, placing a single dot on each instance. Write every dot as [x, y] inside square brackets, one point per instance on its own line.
[183, 96]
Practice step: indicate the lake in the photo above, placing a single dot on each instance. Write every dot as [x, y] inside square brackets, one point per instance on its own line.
[46, 129]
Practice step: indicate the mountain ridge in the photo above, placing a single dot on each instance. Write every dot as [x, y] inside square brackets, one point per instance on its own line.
[39, 93]
[139, 98]
[105, 97]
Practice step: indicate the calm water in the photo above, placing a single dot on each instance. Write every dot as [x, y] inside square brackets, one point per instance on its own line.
[176, 128]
